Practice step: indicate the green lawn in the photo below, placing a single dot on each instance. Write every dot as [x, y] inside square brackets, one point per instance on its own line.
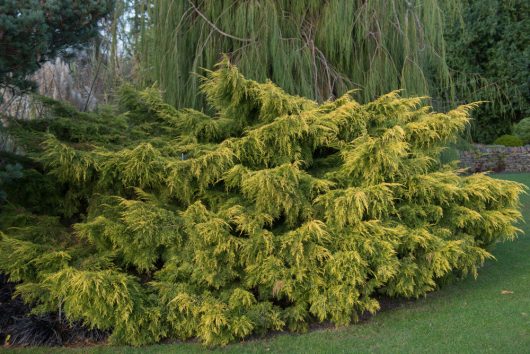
[472, 316]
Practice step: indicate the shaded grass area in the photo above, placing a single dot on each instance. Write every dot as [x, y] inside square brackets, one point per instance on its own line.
[488, 315]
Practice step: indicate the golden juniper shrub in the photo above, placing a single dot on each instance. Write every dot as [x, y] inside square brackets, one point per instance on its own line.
[272, 213]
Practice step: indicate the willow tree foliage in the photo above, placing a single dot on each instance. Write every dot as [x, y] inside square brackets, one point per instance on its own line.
[314, 48]
[273, 213]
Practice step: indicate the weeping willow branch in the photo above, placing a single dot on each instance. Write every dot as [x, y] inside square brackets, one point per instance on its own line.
[318, 49]
[215, 27]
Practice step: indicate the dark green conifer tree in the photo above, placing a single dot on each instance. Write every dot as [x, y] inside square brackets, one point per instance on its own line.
[34, 31]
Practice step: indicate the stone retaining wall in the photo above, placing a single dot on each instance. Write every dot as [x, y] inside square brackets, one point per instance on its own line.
[496, 158]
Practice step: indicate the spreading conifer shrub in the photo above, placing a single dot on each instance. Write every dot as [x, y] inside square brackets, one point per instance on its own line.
[270, 214]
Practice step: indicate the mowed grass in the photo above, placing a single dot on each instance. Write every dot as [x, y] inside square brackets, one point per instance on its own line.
[488, 315]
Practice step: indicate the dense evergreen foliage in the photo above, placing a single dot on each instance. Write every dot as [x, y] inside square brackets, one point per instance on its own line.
[273, 213]
[34, 31]
[491, 41]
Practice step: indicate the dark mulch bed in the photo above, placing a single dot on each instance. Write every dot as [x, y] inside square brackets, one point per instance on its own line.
[18, 327]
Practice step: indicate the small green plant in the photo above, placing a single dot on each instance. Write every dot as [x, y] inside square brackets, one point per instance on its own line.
[508, 140]
[274, 213]
[522, 130]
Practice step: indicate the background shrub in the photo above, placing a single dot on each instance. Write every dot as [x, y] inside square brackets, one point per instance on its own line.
[522, 130]
[508, 140]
